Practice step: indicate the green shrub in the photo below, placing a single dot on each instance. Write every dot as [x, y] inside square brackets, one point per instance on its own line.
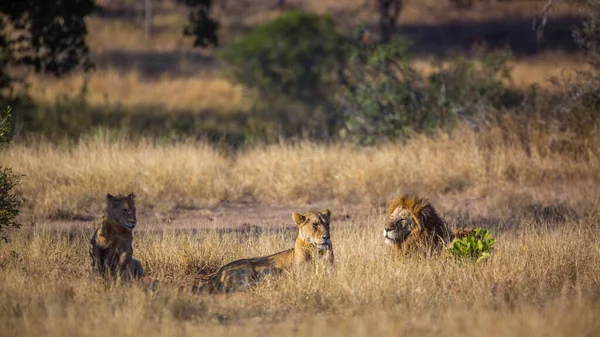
[473, 247]
[471, 87]
[9, 203]
[383, 97]
[290, 64]
[380, 94]
[579, 109]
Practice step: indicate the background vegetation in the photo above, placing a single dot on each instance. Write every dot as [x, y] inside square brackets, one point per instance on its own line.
[153, 83]
[9, 202]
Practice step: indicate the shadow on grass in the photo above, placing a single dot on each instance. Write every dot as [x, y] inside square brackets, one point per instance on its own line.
[69, 119]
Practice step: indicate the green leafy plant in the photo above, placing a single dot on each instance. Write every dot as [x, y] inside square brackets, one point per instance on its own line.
[476, 247]
[289, 63]
[9, 202]
[381, 95]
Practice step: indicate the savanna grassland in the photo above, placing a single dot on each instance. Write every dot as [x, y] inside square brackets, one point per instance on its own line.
[529, 172]
[543, 207]
[542, 280]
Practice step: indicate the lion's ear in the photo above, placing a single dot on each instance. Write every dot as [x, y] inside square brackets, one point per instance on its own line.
[109, 197]
[131, 196]
[327, 213]
[298, 218]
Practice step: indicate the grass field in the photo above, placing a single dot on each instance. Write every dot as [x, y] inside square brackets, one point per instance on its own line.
[533, 181]
[543, 279]
[543, 207]
[62, 181]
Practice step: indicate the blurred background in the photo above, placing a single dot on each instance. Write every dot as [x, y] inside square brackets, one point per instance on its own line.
[242, 72]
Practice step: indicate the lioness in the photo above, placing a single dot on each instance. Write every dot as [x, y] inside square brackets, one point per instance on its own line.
[413, 225]
[313, 243]
[110, 246]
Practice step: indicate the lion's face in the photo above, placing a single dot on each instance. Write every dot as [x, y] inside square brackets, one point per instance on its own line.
[398, 226]
[120, 210]
[314, 228]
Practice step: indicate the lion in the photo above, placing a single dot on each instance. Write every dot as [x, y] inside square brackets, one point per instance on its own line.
[110, 247]
[312, 244]
[414, 226]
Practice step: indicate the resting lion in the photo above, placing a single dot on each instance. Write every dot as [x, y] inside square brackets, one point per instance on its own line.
[413, 225]
[110, 246]
[313, 243]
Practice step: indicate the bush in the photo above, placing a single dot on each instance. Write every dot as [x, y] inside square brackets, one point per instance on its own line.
[580, 108]
[383, 97]
[9, 203]
[473, 247]
[380, 94]
[469, 88]
[290, 63]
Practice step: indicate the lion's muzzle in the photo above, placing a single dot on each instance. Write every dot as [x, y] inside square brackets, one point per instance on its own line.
[391, 236]
[325, 244]
[130, 225]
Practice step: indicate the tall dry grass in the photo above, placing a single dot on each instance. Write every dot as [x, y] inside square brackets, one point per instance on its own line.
[543, 279]
[489, 165]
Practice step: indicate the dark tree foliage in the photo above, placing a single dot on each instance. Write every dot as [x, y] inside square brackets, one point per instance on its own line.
[200, 24]
[9, 202]
[290, 62]
[389, 11]
[5, 57]
[49, 36]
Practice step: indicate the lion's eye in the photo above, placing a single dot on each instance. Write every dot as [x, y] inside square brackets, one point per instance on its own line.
[316, 225]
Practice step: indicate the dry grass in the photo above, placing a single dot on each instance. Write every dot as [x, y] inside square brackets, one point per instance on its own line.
[543, 279]
[131, 89]
[71, 180]
[525, 71]
[209, 91]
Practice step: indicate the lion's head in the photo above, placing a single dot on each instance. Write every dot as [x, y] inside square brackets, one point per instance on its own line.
[314, 228]
[120, 210]
[411, 222]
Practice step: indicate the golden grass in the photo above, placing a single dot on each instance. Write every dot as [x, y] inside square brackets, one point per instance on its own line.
[212, 92]
[526, 71]
[488, 164]
[130, 89]
[543, 279]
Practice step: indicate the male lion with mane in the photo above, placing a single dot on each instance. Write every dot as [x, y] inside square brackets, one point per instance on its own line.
[110, 246]
[312, 244]
[413, 226]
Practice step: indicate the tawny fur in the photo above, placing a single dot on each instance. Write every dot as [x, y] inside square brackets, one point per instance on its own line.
[426, 233]
[111, 249]
[312, 244]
